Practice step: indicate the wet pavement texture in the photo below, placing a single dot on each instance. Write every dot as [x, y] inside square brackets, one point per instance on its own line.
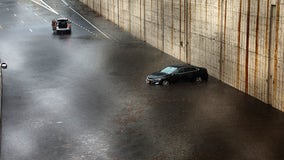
[83, 97]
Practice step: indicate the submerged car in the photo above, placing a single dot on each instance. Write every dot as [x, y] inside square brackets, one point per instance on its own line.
[174, 73]
[61, 25]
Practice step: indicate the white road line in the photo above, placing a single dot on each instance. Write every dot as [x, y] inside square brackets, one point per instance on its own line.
[30, 30]
[22, 22]
[51, 9]
[36, 14]
[15, 15]
[1, 27]
[7, 9]
[108, 37]
[44, 5]
[65, 2]
[45, 20]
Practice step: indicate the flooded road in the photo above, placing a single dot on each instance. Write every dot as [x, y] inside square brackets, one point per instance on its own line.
[83, 97]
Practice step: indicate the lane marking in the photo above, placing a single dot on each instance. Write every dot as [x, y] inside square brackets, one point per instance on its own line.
[7, 9]
[45, 20]
[36, 14]
[44, 5]
[104, 34]
[49, 7]
[15, 15]
[30, 30]
[65, 2]
[22, 22]
[1, 27]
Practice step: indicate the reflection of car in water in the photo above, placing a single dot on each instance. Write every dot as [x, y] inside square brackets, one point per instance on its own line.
[61, 25]
[176, 73]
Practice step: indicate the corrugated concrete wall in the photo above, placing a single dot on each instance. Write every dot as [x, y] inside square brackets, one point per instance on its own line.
[239, 41]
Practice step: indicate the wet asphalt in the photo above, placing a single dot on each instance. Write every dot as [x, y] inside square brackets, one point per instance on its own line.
[83, 97]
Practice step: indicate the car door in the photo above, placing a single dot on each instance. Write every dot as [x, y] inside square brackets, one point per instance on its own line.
[180, 75]
[190, 73]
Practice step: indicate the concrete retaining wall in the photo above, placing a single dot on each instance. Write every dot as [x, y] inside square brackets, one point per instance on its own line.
[239, 41]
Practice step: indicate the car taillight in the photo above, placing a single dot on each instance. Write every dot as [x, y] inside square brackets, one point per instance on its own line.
[68, 25]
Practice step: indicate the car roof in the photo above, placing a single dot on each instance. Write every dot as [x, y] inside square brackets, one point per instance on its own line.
[181, 65]
[62, 19]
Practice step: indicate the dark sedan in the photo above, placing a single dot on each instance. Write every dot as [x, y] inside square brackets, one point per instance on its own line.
[175, 73]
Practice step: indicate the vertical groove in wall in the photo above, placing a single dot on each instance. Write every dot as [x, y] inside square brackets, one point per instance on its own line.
[282, 68]
[270, 50]
[140, 22]
[275, 88]
[151, 12]
[122, 14]
[129, 15]
[172, 29]
[189, 13]
[144, 16]
[220, 29]
[219, 11]
[247, 48]
[100, 7]
[224, 39]
[117, 4]
[158, 24]
[163, 25]
[206, 11]
[239, 45]
[186, 26]
[256, 49]
[113, 11]
[180, 20]
[206, 31]
[109, 10]
[107, 6]
[266, 50]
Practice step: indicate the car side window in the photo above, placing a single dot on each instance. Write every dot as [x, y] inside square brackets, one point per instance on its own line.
[181, 70]
[190, 69]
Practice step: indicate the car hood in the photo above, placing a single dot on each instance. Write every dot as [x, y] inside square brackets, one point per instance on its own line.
[157, 75]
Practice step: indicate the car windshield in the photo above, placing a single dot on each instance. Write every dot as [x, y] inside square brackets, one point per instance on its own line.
[169, 70]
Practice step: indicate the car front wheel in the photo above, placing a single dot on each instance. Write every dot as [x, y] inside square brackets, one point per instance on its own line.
[165, 83]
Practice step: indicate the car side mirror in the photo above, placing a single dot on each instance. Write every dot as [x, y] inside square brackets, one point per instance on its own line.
[4, 65]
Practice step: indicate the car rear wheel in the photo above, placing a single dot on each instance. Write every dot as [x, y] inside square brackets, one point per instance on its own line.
[204, 77]
[165, 83]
